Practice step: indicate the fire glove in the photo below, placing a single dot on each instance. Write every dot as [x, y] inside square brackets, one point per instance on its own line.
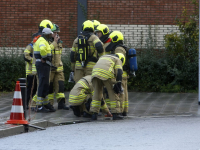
[71, 77]
[53, 68]
[118, 88]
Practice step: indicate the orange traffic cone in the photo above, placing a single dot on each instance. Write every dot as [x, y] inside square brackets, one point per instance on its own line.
[17, 111]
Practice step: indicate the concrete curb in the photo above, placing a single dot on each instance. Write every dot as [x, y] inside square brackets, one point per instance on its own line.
[18, 129]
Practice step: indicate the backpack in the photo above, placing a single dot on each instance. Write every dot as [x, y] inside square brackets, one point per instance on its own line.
[83, 47]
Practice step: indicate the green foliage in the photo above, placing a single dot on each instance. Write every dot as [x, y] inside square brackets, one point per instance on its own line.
[12, 68]
[67, 70]
[175, 69]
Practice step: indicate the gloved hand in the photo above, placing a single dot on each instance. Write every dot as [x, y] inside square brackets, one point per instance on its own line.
[53, 68]
[118, 88]
[71, 77]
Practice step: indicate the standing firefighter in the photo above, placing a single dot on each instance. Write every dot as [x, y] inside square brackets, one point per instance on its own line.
[30, 61]
[42, 53]
[86, 50]
[116, 46]
[102, 31]
[80, 98]
[30, 75]
[107, 71]
[57, 76]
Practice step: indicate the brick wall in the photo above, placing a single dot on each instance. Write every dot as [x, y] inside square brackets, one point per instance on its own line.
[20, 18]
[139, 20]
[142, 36]
[137, 12]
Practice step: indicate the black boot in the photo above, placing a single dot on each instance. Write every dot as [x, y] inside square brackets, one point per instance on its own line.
[40, 109]
[50, 107]
[76, 110]
[117, 116]
[61, 104]
[124, 114]
[94, 116]
[86, 115]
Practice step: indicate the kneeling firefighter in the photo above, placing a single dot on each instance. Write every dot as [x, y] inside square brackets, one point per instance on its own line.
[86, 50]
[107, 72]
[57, 76]
[80, 98]
[42, 53]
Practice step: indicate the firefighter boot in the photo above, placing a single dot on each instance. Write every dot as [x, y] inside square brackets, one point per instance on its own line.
[41, 109]
[124, 114]
[61, 104]
[76, 110]
[94, 116]
[86, 115]
[50, 107]
[117, 116]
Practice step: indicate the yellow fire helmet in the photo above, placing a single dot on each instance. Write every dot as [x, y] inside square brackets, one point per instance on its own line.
[121, 57]
[88, 26]
[96, 24]
[116, 36]
[103, 28]
[55, 28]
[46, 24]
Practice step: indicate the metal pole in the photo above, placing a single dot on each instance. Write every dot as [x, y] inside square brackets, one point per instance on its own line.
[199, 54]
[23, 91]
[82, 12]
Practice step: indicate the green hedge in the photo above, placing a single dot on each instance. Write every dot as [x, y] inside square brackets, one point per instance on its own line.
[13, 67]
[157, 72]
[165, 73]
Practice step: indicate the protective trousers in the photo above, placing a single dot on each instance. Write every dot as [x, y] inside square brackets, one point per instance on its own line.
[98, 85]
[124, 97]
[56, 86]
[31, 87]
[80, 73]
[81, 100]
[43, 71]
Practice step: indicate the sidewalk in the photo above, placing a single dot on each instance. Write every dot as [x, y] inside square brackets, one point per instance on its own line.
[140, 105]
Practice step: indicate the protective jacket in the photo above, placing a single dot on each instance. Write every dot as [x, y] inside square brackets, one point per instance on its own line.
[95, 50]
[42, 49]
[80, 91]
[117, 49]
[56, 57]
[28, 56]
[107, 67]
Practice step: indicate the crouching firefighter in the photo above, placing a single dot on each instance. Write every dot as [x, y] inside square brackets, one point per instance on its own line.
[57, 76]
[80, 98]
[42, 53]
[86, 50]
[107, 72]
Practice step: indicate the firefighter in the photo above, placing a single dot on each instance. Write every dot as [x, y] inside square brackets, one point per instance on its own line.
[116, 46]
[57, 76]
[80, 98]
[102, 31]
[86, 50]
[42, 53]
[107, 71]
[30, 62]
[30, 76]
